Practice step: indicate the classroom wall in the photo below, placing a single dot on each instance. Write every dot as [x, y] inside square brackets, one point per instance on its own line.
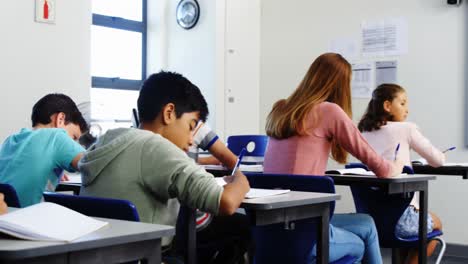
[433, 73]
[38, 58]
[190, 52]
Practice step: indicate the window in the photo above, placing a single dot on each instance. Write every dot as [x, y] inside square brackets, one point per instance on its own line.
[118, 60]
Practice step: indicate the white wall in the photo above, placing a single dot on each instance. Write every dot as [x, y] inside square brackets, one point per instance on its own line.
[189, 52]
[38, 58]
[433, 73]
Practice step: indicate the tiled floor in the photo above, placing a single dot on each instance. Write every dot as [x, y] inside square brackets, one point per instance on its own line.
[387, 258]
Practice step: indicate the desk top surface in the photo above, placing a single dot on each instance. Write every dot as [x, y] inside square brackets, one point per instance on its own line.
[373, 179]
[290, 199]
[443, 170]
[116, 233]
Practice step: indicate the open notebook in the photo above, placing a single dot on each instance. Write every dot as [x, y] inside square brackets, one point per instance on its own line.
[352, 171]
[255, 192]
[48, 222]
[242, 167]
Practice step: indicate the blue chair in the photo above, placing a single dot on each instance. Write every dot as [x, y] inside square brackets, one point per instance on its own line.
[102, 207]
[96, 206]
[386, 210]
[11, 197]
[275, 244]
[252, 156]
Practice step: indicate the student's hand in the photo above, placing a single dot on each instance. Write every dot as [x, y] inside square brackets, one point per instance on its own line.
[397, 168]
[228, 178]
[233, 193]
[3, 205]
[64, 178]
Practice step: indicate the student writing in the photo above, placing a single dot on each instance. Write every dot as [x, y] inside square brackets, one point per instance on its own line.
[149, 166]
[314, 121]
[384, 126]
[33, 159]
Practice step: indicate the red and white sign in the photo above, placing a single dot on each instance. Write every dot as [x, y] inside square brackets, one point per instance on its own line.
[45, 11]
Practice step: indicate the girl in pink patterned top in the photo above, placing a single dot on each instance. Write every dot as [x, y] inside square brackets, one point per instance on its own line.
[313, 122]
[384, 127]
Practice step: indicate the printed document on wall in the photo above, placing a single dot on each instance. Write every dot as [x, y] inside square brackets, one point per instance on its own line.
[362, 82]
[385, 37]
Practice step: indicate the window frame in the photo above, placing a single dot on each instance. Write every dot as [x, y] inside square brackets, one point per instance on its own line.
[129, 25]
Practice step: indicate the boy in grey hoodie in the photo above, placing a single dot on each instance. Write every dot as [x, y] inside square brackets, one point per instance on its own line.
[149, 166]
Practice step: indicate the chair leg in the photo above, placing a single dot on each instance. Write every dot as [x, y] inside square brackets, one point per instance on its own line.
[442, 249]
[396, 256]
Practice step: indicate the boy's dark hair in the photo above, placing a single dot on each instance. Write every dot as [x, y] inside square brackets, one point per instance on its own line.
[169, 87]
[56, 103]
[375, 115]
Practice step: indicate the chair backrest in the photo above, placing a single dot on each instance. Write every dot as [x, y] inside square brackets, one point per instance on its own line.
[11, 197]
[96, 206]
[274, 243]
[254, 144]
[385, 209]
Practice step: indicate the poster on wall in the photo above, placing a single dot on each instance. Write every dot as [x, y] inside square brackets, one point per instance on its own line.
[362, 83]
[385, 37]
[45, 11]
[385, 72]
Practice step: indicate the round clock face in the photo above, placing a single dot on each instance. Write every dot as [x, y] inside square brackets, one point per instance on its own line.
[188, 12]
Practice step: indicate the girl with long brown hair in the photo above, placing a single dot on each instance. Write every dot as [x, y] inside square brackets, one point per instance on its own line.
[313, 122]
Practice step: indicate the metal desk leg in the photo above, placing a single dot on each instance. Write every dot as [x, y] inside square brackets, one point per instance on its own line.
[191, 257]
[423, 203]
[323, 236]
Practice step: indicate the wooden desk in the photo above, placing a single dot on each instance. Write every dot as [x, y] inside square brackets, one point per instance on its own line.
[120, 241]
[401, 184]
[444, 170]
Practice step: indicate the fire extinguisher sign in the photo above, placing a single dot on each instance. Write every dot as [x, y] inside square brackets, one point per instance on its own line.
[45, 11]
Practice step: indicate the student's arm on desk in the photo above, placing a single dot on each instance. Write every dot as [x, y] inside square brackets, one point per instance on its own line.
[75, 160]
[234, 193]
[223, 154]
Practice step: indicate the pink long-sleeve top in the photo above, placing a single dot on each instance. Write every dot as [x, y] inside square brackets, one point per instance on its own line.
[385, 140]
[309, 154]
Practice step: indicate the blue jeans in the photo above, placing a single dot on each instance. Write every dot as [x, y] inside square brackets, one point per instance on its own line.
[354, 235]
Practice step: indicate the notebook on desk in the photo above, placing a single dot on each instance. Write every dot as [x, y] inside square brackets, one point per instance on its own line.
[351, 171]
[256, 192]
[357, 172]
[48, 222]
[242, 167]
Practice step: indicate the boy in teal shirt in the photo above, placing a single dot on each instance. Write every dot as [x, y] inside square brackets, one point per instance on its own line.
[32, 159]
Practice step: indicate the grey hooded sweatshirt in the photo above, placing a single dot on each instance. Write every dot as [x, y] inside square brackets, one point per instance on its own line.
[148, 170]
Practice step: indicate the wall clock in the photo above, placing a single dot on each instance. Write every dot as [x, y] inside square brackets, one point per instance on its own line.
[188, 12]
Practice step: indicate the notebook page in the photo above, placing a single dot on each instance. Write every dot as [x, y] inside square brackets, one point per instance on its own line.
[48, 221]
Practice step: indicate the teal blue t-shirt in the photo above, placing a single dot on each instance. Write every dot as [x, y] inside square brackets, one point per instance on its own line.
[32, 159]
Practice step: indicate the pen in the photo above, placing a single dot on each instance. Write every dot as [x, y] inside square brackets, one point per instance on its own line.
[396, 150]
[239, 160]
[449, 149]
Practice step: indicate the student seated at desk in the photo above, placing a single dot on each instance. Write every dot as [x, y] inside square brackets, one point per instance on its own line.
[205, 138]
[314, 121]
[149, 166]
[383, 126]
[35, 158]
